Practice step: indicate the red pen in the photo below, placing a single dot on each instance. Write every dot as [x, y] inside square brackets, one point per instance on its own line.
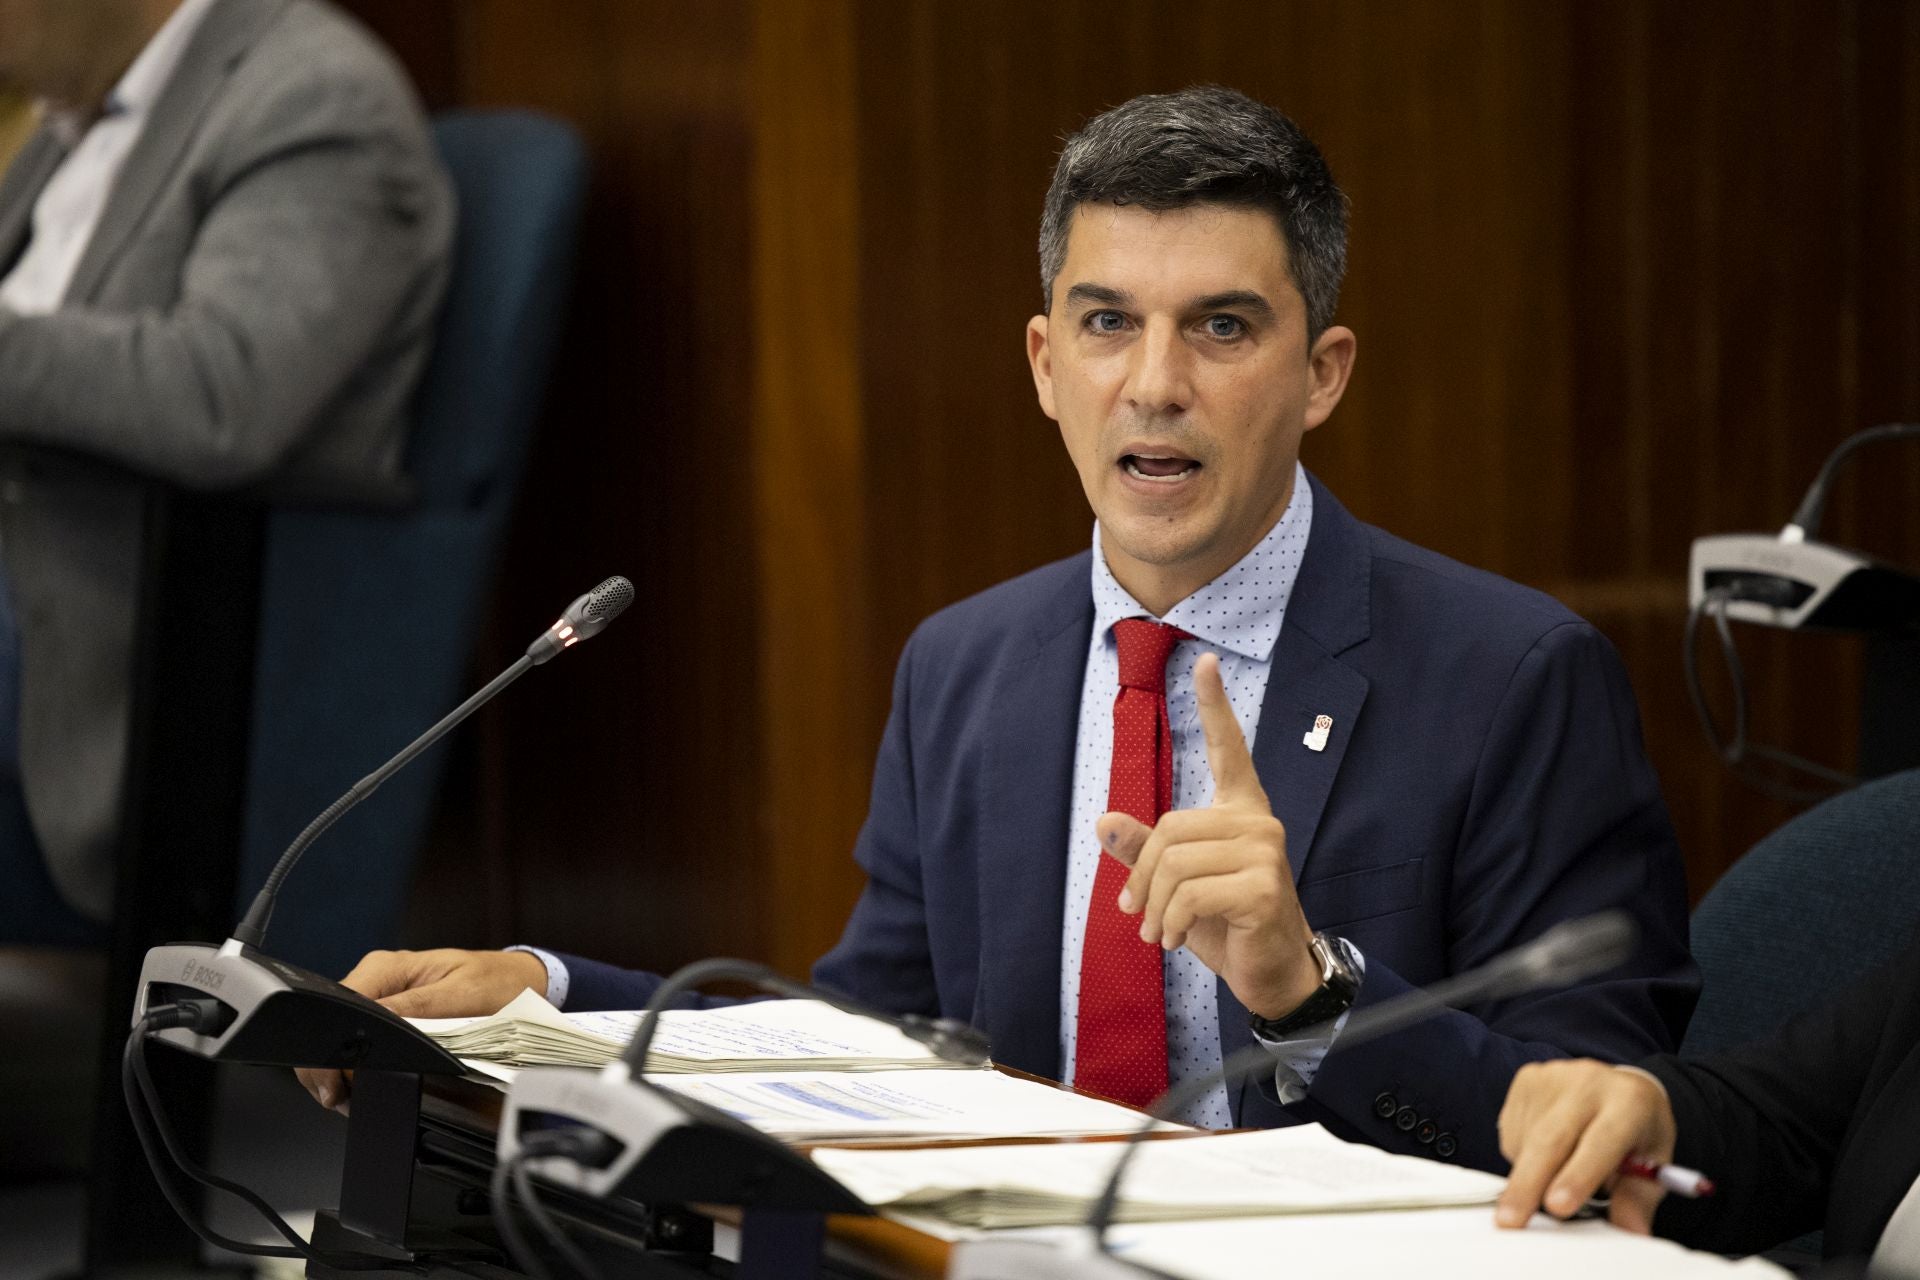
[1678, 1179]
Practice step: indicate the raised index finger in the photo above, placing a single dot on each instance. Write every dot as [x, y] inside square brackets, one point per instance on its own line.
[1234, 777]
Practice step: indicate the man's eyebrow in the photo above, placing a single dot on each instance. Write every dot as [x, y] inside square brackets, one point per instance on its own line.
[1097, 295]
[1235, 300]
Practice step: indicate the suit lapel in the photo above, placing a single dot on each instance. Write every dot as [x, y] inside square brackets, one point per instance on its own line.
[1023, 839]
[1327, 613]
[25, 179]
[223, 37]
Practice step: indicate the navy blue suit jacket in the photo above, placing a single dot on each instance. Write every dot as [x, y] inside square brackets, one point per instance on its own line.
[1483, 780]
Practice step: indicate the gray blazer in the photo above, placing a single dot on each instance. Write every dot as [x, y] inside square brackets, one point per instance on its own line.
[252, 312]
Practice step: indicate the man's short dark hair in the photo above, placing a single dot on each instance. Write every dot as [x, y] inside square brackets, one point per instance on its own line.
[1205, 145]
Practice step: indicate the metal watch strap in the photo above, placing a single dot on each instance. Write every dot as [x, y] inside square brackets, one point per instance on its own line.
[1335, 995]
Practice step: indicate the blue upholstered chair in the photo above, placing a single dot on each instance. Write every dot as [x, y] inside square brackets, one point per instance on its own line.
[368, 619]
[1828, 896]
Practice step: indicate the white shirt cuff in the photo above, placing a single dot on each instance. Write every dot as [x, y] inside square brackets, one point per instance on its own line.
[1298, 1059]
[558, 979]
[1658, 1083]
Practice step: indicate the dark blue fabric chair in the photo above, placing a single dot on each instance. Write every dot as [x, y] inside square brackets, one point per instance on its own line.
[368, 619]
[1825, 898]
[1829, 896]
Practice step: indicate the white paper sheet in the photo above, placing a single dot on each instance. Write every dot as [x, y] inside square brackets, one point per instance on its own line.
[806, 1106]
[763, 1035]
[1293, 1170]
[1432, 1244]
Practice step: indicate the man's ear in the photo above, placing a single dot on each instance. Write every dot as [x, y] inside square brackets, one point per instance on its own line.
[1329, 365]
[1040, 360]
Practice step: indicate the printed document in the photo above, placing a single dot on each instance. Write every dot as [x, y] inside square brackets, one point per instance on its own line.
[766, 1035]
[924, 1106]
[1278, 1171]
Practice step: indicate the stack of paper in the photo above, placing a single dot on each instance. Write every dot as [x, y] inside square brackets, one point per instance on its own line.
[1279, 1171]
[768, 1035]
[924, 1106]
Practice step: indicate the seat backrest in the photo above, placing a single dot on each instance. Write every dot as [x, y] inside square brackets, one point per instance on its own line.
[1825, 898]
[368, 618]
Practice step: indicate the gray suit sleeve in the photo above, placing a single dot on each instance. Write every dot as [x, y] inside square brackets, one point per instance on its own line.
[315, 236]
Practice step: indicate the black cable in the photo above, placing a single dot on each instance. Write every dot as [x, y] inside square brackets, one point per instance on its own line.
[544, 1220]
[133, 1082]
[1736, 751]
[515, 1239]
[156, 1133]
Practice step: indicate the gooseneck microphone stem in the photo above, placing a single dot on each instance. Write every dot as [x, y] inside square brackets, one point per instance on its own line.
[949, 1038]
[1813, 508]
[1563, 954]
[253, 929]
[586, 617]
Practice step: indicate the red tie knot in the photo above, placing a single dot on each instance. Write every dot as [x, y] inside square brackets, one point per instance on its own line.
[1144, 648]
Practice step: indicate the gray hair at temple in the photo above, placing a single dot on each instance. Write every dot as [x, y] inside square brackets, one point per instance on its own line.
[1205, 145]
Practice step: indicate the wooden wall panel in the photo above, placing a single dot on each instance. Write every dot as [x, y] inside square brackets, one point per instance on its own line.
[606, 797]
[809, 441]
[1622, 275]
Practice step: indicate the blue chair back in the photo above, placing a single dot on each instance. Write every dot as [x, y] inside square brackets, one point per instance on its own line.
[368, 618]
[1830, 895]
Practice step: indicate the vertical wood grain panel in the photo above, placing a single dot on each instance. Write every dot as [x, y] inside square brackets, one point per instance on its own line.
[810, 471]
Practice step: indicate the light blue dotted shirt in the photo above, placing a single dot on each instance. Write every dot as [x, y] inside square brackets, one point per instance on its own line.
[1238, 617]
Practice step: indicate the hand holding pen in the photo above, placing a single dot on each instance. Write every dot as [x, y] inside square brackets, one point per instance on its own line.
[1573, 1128]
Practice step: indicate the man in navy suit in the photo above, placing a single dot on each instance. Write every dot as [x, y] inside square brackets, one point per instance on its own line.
[1442, 764]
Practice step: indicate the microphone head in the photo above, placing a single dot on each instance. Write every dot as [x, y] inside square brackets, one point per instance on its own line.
[1575, 949]
[585, 617]
[598, 607]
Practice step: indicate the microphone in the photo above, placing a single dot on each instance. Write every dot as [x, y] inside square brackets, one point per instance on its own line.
[585, 618]
[269, 1012]
[1563, 954]
[627, 1135]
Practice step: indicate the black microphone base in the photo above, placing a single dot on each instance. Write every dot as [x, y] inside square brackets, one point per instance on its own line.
[668, 1149]
[276, 1014]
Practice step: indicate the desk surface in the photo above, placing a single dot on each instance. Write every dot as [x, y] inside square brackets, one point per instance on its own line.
[872, 1246]
[1444, 1242]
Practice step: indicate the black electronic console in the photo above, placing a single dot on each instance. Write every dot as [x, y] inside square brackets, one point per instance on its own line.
[1776, 581]
[272, 1013]
[660, 1147]
[1794, 581]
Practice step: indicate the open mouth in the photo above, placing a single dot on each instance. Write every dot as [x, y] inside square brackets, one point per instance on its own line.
[1162, 468]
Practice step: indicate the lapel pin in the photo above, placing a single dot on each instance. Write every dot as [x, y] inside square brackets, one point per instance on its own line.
[1316, 737]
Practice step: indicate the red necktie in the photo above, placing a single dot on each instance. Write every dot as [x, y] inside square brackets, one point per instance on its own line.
[1120, 1049]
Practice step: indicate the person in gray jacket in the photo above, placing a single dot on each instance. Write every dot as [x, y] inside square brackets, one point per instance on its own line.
[221, 256]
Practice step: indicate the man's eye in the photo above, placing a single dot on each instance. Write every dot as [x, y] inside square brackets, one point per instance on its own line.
[1105, 321]
[1225, 326]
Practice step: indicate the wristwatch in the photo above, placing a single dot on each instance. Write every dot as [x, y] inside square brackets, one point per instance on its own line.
[1338, 987]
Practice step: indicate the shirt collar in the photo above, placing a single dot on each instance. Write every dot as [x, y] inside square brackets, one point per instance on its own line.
[1239, 611]
[144, 81]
